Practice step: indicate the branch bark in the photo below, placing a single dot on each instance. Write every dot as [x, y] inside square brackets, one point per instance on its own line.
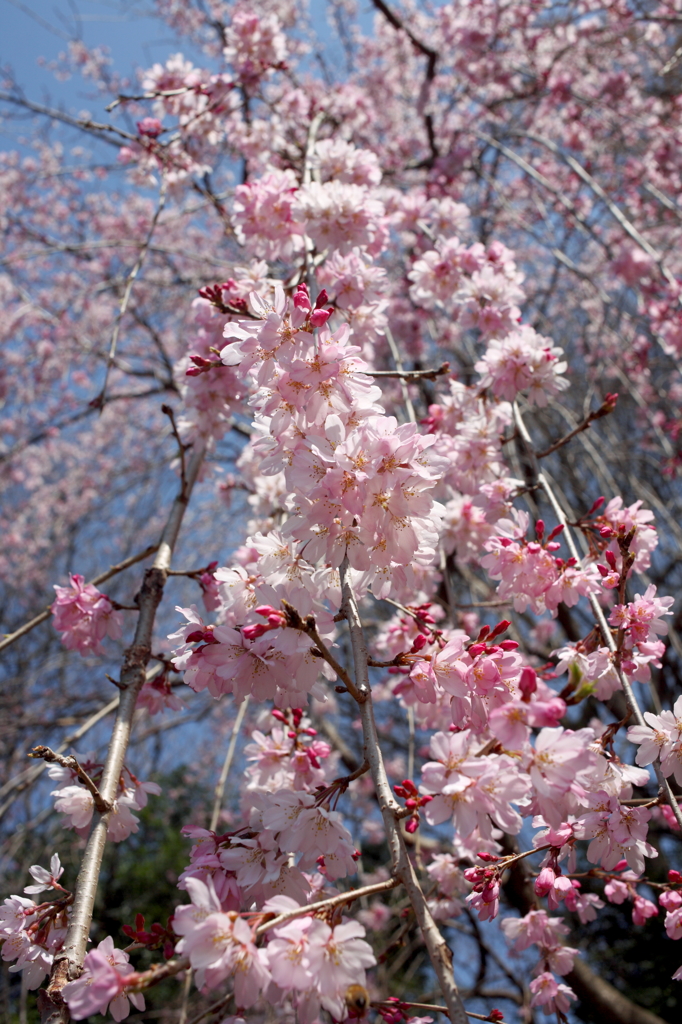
[69, 962]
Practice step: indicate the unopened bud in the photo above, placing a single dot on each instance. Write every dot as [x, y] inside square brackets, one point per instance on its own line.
[528, 682]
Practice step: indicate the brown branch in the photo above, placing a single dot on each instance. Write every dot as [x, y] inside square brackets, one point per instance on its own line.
[167, 411]
[307, 626]
[70, 762]
[85, 124]
[99, 401]
[430, 1006]
[156, 973]
[604, 409]
[431, 61]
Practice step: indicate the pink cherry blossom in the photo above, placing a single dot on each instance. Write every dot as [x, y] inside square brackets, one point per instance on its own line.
[101, 987]
[84, 616]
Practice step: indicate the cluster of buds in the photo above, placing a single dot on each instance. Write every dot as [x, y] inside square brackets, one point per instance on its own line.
[213, 293]
[275, 620]
[551, 883]
[201, 636]
[293, 718]
[158, 938]
[550, 544]
[413, 801]
[609, 573]
[484, 641]
[485, 897]
[315, 316]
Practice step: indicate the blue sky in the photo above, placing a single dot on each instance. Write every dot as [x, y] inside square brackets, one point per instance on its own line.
[136, 36]
[31, 29]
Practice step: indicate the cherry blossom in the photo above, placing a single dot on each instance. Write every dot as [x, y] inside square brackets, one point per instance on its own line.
[101, 987]
[84, 616]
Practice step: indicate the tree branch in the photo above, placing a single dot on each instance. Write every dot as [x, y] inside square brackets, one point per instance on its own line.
[69, 960]
[439, 953]
[70, 762]
[597, 609]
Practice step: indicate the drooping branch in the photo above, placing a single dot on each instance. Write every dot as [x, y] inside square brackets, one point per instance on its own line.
[603, 1000]
[437, 948]
[333, 901]
[597, 609]
[219, 791]
[100, 400]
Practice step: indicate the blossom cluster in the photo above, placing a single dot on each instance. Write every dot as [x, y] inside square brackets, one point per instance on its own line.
[84, 616]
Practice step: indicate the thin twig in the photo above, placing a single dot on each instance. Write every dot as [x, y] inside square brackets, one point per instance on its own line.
[220, 1005]
[307, 625]
[333, 901]
[85, 124]
[606, 407]
[429, 1006]
[219, 791]
[443, 369]
[167, 411]
[70, 762]
[100, 400]
[395, 352]
[156, 973]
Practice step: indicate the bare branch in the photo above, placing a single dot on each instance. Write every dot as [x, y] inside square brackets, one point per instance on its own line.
[220, 785]
[443, 369]
[99, 401]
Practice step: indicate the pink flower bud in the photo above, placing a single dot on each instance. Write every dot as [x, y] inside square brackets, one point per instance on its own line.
[254, 631]
[545, 881]
[319, 317]
[301, 297]
[598, 504]
[528, 682]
